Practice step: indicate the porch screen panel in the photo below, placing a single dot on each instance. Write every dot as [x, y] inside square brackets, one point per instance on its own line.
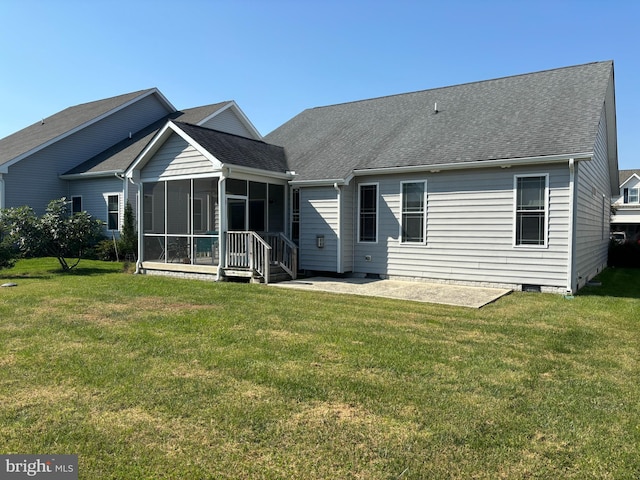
[205, 197]
[178, 206]
[257, 206]
[153, 207]
[276, 208]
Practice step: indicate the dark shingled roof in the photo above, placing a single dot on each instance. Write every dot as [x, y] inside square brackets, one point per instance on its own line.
[236, 150]
[538, 114]
[118, 157]
[59, 124]
[624, 175]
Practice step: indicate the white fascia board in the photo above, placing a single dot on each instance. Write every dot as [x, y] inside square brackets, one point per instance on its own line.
[243, 118]
[214, 114]
[5, 166]
[633, 176]
[149, 150]
[216, 163]
[229, 169]
[158, 140]
[239, 114]
[504, 163]
[327, 182]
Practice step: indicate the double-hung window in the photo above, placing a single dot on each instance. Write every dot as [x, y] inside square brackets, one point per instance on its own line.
[368, 213]
[531, 200]
[76, 204]
[631, 195]
[113, 212]
[413, 212]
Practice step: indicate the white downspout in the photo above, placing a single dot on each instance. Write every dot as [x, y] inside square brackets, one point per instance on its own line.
[140, 222]
[338, 233]
[222, 227]
[570, 260]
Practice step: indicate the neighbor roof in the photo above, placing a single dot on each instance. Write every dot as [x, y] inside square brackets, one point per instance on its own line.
[236, 150]
[34, 137]
[627, 174]
[118, 157]
[553, 112]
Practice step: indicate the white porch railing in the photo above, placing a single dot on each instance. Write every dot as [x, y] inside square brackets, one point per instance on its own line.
[249, 251]
[284, 253]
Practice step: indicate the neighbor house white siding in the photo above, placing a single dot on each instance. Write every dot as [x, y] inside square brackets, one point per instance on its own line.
[176, 158]
[593, 198]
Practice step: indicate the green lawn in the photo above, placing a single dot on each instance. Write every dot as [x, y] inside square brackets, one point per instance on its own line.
[157, 378]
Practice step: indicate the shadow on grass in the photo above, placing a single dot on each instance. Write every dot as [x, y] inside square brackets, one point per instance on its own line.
[47, 268]
[615, 282]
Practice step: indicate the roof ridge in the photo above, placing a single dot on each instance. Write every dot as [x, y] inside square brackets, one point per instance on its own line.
[177, 122]
[462, 84]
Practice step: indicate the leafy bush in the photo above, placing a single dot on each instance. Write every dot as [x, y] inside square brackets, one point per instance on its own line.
[58, 233]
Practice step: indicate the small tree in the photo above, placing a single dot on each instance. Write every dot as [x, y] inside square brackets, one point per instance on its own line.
[9, 253]
[128, 238]
[57, 233]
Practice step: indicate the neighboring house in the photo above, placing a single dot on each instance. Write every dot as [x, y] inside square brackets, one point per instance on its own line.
[83, 151]
[502, 182]
[626, 206]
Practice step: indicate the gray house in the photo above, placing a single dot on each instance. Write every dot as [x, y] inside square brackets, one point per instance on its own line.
[83, 151]
[504, 182]
[627, 206]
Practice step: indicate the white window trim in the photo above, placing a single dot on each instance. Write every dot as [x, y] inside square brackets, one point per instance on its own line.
[106, 199]
[424, 213]
[377, 185]
[637, 195]
[546, 210]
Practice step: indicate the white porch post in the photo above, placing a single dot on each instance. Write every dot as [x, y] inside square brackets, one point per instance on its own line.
[222, 216]
[140, 222]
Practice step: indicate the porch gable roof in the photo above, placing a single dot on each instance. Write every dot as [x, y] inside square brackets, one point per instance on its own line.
[224, 149]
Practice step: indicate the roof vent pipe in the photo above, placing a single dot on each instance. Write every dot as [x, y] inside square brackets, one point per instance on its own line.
[435, 107]
[129, 135]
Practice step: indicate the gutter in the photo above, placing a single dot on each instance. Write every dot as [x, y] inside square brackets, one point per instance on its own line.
[503, 163]
[79, 176]
[254, 171]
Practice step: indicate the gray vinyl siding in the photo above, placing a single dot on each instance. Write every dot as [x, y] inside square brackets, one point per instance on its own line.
[176, 158]
[593, 193]
[347, 232]
[34, 180]
[228, 122]
[470, 230]
[93, 193]
[318, 216]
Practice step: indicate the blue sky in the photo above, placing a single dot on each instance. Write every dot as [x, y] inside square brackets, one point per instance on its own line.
[277, 57]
